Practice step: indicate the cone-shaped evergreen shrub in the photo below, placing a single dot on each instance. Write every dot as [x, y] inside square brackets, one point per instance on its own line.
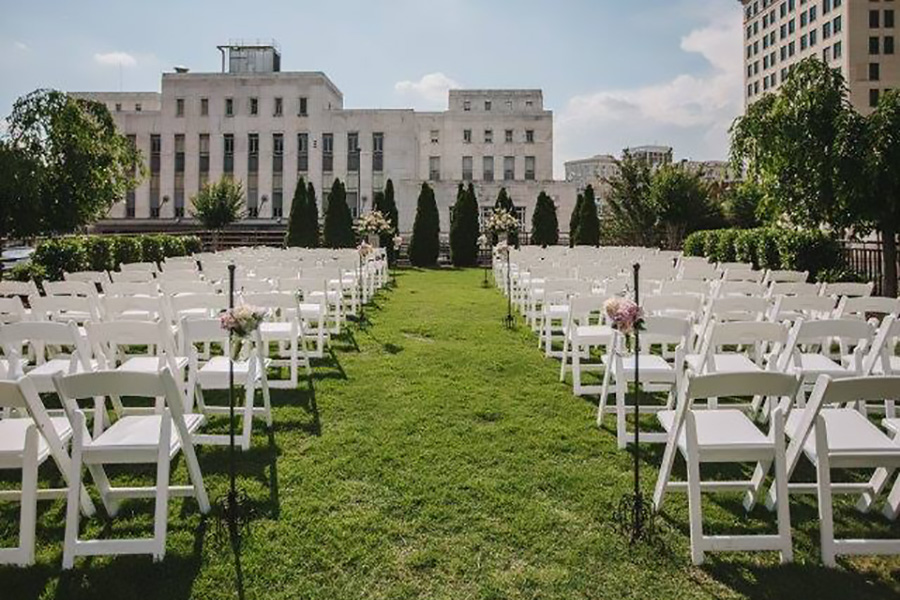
[338, 221]
[464, 229]
[425, 244]
[544, 224]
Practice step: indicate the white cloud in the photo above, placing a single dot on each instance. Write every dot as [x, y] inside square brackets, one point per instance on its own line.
[21, 46]
[690, 112]
[428, 92]
[115, 59]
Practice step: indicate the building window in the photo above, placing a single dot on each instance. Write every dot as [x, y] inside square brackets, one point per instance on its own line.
[353, 151]
[509, 168]
[277, 175]
[254, 106]
[328, 152]
[529, 104]
[509, 105]
[303, 152]
[826, 55]
[228, 154]
[467, 105]
[508, 136]
[888, 44]
[837, 50]
[179, 107]
[118, 107]
[301, 110]
[487, 105]
[529, 168]
[467, 136]
[873, 45]
[378, 152]
[229, 107]
[812, 14]
[874, 19]
[826, 31]
[803, 42]
[204, 107]
[812, 37]
[467, 168]
[529, 136]
[888, 19]
[837, 24]
[435, 136]
[179, 175]
[155, 160]
[252, 175]
[279, 107]
[203, 168]
[488, 136]
[487, 168]
[874, 72]
[873, 98]
[434, 168]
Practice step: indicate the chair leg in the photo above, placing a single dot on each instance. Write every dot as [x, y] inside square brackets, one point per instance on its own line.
[565, 358]
[576, 367]
[621, 417]
[161, 512]
[73, 512]
[879, 479]
[823, 480]
[892, 506]
[247, 424]
[781, 482]
[28, 505]
[694, 499]
[604, 395]
[756, 483]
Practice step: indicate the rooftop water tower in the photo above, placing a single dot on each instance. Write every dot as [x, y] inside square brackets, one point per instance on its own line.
[255, 57]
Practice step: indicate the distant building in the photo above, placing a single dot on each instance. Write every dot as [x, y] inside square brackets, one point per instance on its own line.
[266, 128]
[856, 36]
[656, 156]
[713, 171]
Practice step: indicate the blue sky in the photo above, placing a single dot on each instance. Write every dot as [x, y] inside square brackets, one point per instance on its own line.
[615, 72]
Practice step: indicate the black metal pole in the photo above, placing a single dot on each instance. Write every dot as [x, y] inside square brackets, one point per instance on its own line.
[638, 500]
[232, 492]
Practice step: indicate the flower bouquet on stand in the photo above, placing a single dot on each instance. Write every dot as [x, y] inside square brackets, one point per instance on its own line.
[502, 224]
[371, 226]
[634, 516]
[364, 250]
[397, 242]
[501, 253]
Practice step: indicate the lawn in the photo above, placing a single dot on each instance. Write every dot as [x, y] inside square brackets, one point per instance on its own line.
[436, 455]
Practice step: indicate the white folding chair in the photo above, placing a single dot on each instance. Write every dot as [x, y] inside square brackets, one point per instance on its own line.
[864, 307]
[126, 276]
[134, 439]
[727, 436]
[843, 438]
[655, 373]
[810, 308]
[584, 330]
[27, 440]
[283, 326]
[785, 276]
[849, 289]
[12, 310]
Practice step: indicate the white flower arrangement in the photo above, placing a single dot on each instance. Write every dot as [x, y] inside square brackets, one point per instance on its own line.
[373, 223]
[398, 241]
[364, 249]
[502, 250]
[502, 221]
[242, 321]
[483, 241]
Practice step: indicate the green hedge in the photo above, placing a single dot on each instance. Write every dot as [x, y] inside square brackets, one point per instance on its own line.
[771, 248]
[56, 256]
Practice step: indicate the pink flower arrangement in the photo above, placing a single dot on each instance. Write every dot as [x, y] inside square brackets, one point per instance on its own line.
[242, 321]
[625, 316]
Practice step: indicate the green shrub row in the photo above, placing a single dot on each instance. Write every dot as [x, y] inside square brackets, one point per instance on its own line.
[56, 256]
[771, 248]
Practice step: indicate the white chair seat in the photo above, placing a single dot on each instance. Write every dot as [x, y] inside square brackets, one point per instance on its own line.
[140, 433]
[650, 365]
[891, 425]
[849, 434]
[813, 365]
[12, 439]
[894, 362]
[275, 329]
[593, 334]
[720, 430]
[150, 364]
[722, 363]
[557, 311]
[56, 366]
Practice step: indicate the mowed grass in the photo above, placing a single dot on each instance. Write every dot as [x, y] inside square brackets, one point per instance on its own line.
[436, 455]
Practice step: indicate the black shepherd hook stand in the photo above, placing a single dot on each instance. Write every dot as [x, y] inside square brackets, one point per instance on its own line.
[509, 320]
[233, 512]
[634, 516]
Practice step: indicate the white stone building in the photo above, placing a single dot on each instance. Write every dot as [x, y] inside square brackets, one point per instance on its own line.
[267, 128]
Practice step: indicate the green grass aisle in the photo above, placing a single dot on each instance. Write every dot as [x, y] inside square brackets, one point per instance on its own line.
[439, 457]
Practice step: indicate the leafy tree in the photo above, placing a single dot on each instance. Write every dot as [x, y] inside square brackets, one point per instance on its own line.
[338, 220]
[742, 205]
[544, 224]
[879, 208]
[464, 228]
[77, 164]
[20, 209]
[504, 202]
[630, 218]
[295, 229]
[311, 221]
[588, 232]
[218, 205]
[424, 246]
[574, 219]
[385, 204]
[682, 202]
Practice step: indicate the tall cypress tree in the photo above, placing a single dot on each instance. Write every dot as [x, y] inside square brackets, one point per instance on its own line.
[296, 224]
[464, 228]
[311, 222]
[544, 224]
[338, 221]
[575, 219]
[425, 244]
[588, 233]
[385, 204]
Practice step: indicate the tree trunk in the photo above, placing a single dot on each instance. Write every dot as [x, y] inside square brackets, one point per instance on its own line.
[889, 244]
